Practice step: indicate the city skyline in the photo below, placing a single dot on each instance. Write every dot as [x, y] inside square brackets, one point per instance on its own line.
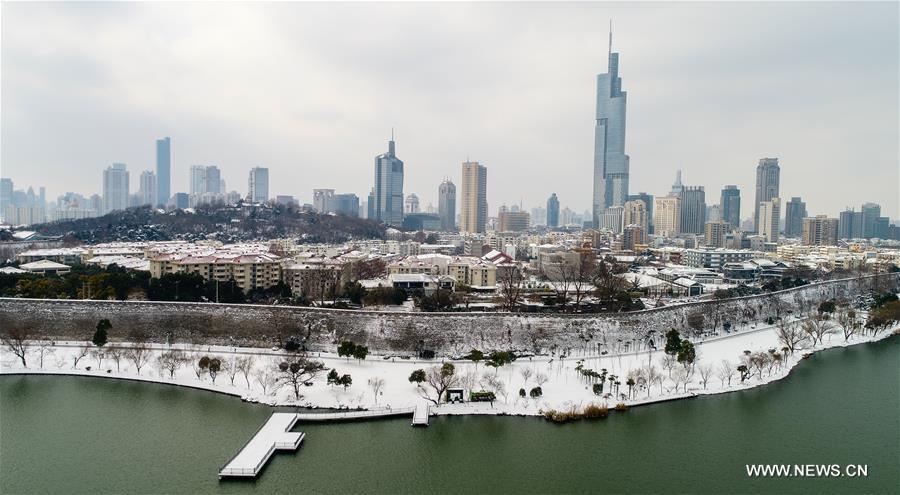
[737, 137]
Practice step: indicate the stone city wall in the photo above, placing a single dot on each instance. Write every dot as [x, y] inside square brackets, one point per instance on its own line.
[405, 333]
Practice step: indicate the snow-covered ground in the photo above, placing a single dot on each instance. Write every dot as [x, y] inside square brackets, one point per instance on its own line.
[564, 387]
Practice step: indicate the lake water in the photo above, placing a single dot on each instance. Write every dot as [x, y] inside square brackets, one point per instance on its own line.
[92, 435]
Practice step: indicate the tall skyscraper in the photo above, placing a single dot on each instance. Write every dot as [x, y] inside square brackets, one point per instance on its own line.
[346, 204]
[412, 203]
[388, 206]
[6, 194]
[473, 198]
[768, 177]
[635, 213]
[147, 193]
[198, 179]
[693, 209]
[323, 200]
[870, 214]
[447, 205]
[214, 183]
[794, 213]
[851, 224]
[553, 211]
[115, 188]
[770, 218]
[730, 206]
[667, 215]
[163, 171]
[610, 161]
[258, 185]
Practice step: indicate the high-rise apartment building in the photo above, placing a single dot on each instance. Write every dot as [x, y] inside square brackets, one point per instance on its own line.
[323, 200]
[473, 198]
[820, 231]
[388, 207]
[635, 213]
[553, 211]
[714, 233]
[633, 235]
[611, 167]
[6, 194]
[147, 194]
[163, 171]
[851, 224]
[693, 209]
[115, 187]
[412, 203]
[648, 205]
[794, 213]
[667, 215]
[258, 185]
[770, 218]
[870, 214]
[730, 206]
[447, 205]
[768, 177]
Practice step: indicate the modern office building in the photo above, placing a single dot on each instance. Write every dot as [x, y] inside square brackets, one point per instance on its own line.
[163, 171]
[412, 203]
[473, 198]
[147, 193]
[258, 185]
[850, 225]
[820, 231]
[514, 221]
[768, 177]
[346, 204]
[794, 213]
[388, 197]
[667, 216]
[115, 188]
[693, 210]
[770, 219]
[323, 200]
[730, 206]
[447, 205]
[553, 211]
[870, 214]
[611, 219]
[611, 167]
[6, 194]
[205, 180]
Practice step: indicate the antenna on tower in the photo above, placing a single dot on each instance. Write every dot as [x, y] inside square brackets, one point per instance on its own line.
[392, 133]
[610, 35]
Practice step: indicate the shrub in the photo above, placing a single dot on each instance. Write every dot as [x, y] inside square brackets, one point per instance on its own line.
[598, 388]
[482, 396]
[536, 392]
[621, 407]
[595, 411]
[521, 392]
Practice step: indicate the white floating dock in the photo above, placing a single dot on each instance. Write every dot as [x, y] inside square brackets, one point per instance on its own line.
[274, 435]
[351, 415]
[420, 416]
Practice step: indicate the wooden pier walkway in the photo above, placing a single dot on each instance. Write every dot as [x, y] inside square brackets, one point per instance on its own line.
[420, 416]
[274, 435]
[351, 415]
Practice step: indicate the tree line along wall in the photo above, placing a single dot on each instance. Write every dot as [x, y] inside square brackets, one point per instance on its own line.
[406, 333]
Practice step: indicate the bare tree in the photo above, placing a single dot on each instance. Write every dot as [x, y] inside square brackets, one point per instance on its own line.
[116, 353]
[376, 384]
[98, 354]
[439, 379]
[725, 372]
[668, 362]
[846, 318]
[817, 327]
[652, 376]
[265, 377]
[541, 379]
[44, 348]
[230, 367]
[170, 361]
[16, 340]
[705, 372]
[493, 383]
[245, 365]
[681, 377]
[607, 279]
[789, 334]
[526, 375]
[295, 372]
[581, 271]
[82, 351]
[139, 354]
[510, 278]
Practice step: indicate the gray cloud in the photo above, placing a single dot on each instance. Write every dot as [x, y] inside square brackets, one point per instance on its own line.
[311, 90]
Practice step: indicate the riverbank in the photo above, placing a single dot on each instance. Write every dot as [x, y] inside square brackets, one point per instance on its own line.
[563, 386]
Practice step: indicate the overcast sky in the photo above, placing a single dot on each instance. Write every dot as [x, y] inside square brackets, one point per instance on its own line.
[312, 90]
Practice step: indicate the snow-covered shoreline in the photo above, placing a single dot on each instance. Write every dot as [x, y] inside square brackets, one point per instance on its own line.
[563, 386]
